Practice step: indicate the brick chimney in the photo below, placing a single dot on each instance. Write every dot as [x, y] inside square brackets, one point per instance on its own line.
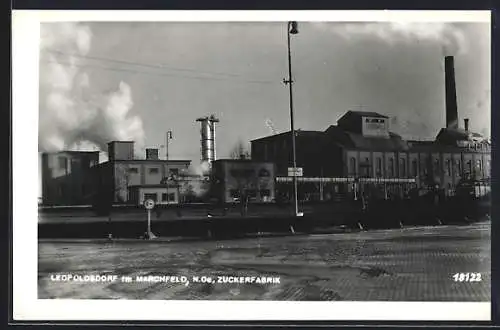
[451, 93]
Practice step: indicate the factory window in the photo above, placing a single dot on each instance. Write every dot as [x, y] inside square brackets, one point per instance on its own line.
[133, 170]
[63, 163]
[436, 166]
[479, 165]
[152, 196]
[458, 167]
[164, 197]
[352, 166]
[264, 173]
[265, 193]
[379, 167]
[252, 193]
[154, 170]
[448, 167]
[414, 170]
[391, 167]
[366, 167]
[469, 167]
[174, 171]
[402, 167]
[171, 197]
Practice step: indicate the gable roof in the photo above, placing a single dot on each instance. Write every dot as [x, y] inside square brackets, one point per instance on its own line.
[352, 113]
[298, 133]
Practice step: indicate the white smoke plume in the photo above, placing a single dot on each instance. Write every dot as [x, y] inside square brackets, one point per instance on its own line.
[72, 115]
[198, 184]
[447, 35]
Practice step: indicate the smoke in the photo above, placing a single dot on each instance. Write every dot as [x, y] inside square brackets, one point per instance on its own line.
[73, 116]
[270, 125]
[410, 125]
[446, 35]
[198, 186]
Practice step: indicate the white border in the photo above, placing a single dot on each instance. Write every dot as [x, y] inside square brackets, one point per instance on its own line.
[26, 306]
[261, 15]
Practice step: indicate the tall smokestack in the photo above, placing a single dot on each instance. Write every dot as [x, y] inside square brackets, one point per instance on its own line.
[466, 124]
[208, 138]
[451, 93]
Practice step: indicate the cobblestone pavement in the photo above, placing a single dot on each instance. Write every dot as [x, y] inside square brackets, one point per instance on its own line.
[393, 265]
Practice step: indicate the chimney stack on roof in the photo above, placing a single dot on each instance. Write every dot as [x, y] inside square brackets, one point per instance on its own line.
[451, 93]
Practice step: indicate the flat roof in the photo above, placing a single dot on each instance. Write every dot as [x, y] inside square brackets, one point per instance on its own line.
[152, 160]
[242, 161]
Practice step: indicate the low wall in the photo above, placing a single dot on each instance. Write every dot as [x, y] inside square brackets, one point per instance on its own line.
[229, 223]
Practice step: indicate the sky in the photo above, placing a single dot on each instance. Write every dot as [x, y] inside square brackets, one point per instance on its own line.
[103, 81]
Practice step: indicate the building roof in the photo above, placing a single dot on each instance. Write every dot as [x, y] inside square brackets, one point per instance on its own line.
[357, 141]
[298, 133]
[121, 141]
[229, 160]
[457, 134]
[172, 161]
[362, 114]
[74, 152]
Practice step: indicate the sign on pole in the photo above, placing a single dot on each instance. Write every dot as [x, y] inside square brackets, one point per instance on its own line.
[149, 204]
[297, 171]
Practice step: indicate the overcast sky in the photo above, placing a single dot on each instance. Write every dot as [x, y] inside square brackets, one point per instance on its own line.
[137, 80]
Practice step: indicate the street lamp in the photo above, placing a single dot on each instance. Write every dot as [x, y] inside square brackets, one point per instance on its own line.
[292, 29]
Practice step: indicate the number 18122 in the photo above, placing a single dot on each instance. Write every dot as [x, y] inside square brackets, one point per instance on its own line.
[467, 277]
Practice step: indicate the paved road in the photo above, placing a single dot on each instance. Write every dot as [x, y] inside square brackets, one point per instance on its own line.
[392, 265]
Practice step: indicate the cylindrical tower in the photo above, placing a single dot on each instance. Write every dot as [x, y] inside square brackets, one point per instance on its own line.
[208, 138]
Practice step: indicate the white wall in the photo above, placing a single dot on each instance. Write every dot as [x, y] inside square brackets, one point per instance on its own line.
[159, 192]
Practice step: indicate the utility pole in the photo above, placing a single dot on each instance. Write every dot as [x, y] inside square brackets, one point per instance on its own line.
[168, 137]
[292, 29]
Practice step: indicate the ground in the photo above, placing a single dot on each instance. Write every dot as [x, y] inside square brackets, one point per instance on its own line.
[393, 265]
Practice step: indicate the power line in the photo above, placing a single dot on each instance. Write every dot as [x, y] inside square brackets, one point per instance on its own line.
[153, 66]
[158, 74]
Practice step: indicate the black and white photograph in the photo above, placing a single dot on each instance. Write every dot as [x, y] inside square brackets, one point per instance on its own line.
[298, 159]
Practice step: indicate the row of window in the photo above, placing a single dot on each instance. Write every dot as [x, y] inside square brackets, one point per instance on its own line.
[366, 167]
[252, 193]
[370, 120]
[164, 197]
[247, 173]
[63, 162]
[153, 170]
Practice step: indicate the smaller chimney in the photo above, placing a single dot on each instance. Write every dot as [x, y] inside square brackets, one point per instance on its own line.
[152, 154]
[466, 124]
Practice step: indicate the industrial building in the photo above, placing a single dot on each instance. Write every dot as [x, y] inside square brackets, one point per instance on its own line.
[67, 177]
[358, 153]
[131, 180]
[236, 179]
[361, 145]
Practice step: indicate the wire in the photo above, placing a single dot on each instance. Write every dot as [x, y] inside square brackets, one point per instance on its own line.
[152, 66]
[157, 73]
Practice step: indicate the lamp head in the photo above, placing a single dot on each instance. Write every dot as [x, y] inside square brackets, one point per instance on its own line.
[293, 28]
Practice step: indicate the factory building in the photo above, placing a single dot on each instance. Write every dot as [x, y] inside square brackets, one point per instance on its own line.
[66, 177]
[361, 145]
[130, 180]
[235, 179]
